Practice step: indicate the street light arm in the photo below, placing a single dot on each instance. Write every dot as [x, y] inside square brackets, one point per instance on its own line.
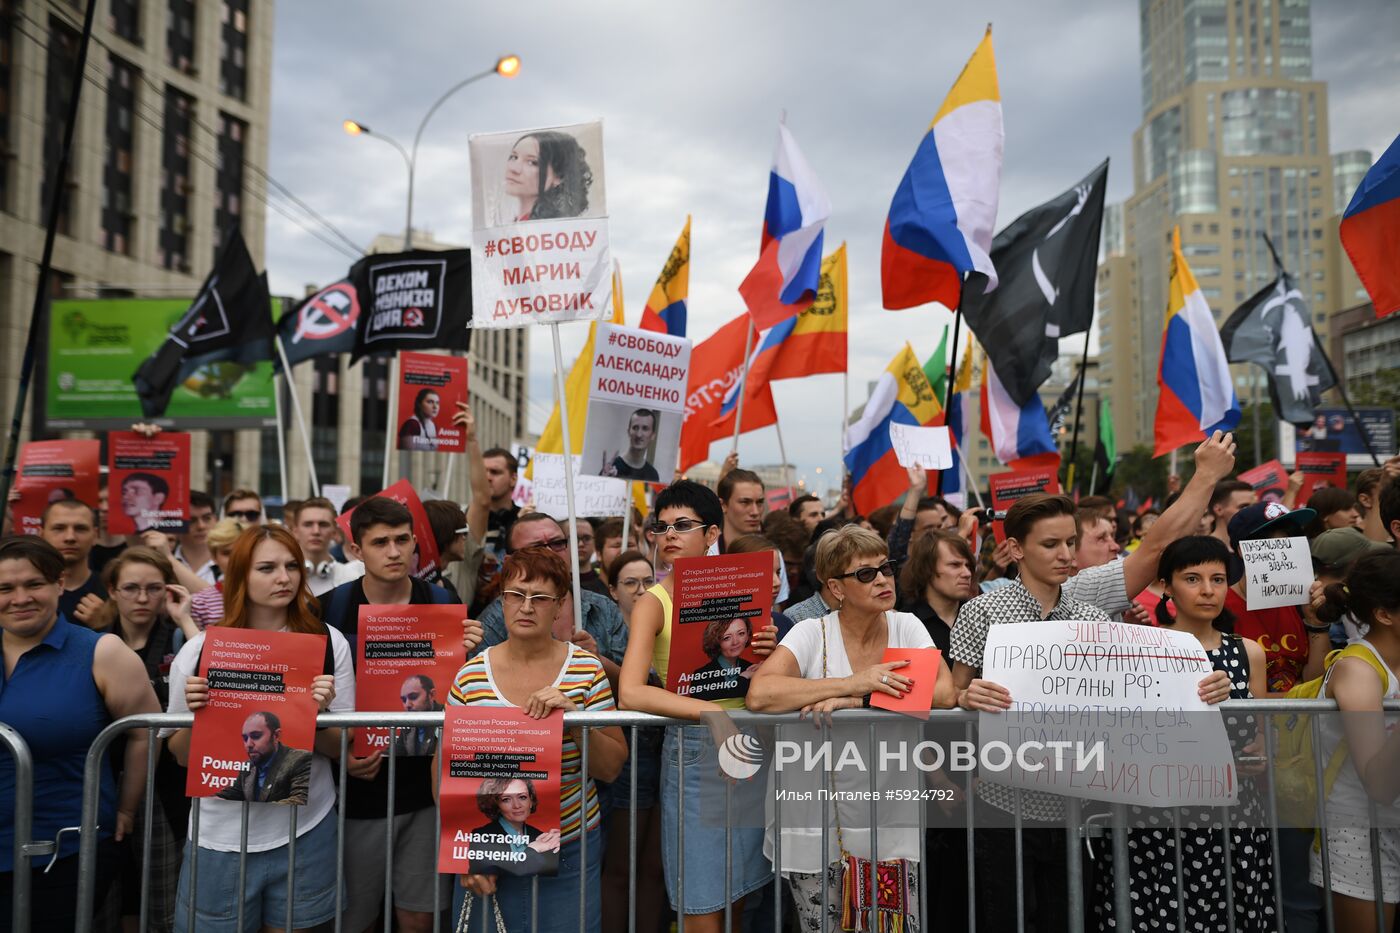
[439, 102]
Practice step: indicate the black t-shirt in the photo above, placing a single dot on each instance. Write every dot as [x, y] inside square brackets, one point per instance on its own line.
[624, 470]
[68, 602]
[101, 555]
[590, 580]
[939, 630]
[413, 776]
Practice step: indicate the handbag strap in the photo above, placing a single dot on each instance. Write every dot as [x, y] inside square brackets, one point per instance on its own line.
[464, 918]
[830, 780]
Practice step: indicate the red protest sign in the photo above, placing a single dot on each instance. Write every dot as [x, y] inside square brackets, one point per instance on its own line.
[923, 669]
[253, 741]
[499, 792]
[50, 471]
[406, 659]
[1267, 477]
[426, 559]
[430, 386]
[1321, 468]
[1008, 487]
[718, 601]
[148, 482]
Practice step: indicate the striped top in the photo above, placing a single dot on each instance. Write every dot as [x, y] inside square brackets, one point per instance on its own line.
[582, 680]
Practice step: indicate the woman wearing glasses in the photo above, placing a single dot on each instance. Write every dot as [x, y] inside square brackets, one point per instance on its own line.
[688, 519]
[150, 612]
[533, 671]
[832, 663]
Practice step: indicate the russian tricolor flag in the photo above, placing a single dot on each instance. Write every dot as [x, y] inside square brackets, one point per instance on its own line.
[665, 311]
[903, 396]
[1019, 434]
[941, 219]
[785, 278]
[1195, 394]
[1371, 231]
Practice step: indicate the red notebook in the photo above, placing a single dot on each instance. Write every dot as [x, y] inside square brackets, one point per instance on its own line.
[923, 669]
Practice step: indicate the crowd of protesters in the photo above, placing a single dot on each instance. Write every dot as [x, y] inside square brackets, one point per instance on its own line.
[922, 572]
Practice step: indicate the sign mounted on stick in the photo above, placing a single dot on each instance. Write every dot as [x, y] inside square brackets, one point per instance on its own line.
[636, 404]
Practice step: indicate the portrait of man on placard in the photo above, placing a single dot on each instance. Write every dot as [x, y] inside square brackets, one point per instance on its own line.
[276, 773]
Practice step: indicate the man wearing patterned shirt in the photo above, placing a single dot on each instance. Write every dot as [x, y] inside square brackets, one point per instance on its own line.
[1041, 532]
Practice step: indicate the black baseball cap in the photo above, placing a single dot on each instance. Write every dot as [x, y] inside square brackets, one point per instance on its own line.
[1262, 518]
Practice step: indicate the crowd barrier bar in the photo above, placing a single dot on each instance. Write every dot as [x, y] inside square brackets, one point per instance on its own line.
[25, 848]
[1078, 828]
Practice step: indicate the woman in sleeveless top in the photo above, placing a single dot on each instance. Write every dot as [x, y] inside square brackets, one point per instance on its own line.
[1372, 773]
[1195, 574]
[687, 522]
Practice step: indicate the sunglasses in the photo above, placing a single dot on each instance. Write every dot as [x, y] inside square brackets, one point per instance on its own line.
[868, 574]
[558, 545]
[248, 515]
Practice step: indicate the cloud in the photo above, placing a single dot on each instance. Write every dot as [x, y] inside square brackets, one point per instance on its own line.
[690, 95]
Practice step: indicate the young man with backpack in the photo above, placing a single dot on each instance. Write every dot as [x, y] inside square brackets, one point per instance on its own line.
[381, 532]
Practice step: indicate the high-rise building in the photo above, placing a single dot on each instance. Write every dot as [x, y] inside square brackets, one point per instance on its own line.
[1233, 146]
[169, 153]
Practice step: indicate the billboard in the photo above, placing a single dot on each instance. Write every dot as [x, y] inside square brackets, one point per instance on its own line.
[94, 348]
[1335, 431]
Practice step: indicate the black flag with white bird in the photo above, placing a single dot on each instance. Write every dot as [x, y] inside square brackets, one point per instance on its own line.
[1274, 329]
[1047, 262]
[230, 321]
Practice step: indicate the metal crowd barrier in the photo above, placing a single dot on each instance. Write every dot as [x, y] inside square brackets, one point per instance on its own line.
[24, 848]
[1078, 828]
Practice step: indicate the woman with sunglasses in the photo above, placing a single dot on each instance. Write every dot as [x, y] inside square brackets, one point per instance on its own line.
[533, 671]
[686, 523]
[832, 663]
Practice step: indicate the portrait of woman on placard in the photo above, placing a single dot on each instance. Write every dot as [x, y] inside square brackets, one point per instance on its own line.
[547, 173]
[725, 640]
[419, 432]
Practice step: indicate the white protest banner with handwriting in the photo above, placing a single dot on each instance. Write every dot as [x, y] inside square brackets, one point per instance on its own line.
[916, 446]
[539, 249]
[1122, 699]
[636, 404]
[593, 495]
[1277, 572]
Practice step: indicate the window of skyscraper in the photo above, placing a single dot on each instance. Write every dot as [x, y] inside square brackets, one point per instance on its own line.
[7, 51]
[1261, 121]
[233, 48]
[117, 216]
[1162, 142]
[179, 35]
[124, 19]
[229, 181]
[175, 180]
[58, 92]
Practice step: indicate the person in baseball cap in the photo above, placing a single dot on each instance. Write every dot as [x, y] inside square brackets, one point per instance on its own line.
[1333, 553]
[1293, 647]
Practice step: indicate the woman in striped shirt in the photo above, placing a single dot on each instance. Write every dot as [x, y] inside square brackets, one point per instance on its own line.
[534, 671]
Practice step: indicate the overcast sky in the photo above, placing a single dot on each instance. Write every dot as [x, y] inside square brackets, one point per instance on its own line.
[690, 95]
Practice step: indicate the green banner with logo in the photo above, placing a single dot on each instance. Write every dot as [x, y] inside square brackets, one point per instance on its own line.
[96, 346]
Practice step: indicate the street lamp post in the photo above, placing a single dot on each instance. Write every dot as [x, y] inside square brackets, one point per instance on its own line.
[507, 66]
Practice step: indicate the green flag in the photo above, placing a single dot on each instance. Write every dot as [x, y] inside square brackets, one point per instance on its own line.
[1106, 450]
[936, 369]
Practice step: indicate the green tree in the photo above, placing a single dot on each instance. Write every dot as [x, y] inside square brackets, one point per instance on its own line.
[1245, 434]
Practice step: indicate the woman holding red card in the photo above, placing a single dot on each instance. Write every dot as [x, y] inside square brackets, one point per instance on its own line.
[837, 662]
[265, 590]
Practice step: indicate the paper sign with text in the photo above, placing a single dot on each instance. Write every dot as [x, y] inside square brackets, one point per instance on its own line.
[1008, 487]
[1266, 478]
[50, 471]
[1277, 572]
[406, 658]
[1123, 698]
[430, 386]
[337, 493]
[254, 739]
[717, 604]
[916, 446]
[636, 404]
[425, 560]
[923, 670]
[148, 482]
[1320, 468]
[595, 496]
[540, 249]
[499, 792]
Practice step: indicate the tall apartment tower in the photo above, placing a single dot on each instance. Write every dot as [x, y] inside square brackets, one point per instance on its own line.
[169, 154]
[1233, 144]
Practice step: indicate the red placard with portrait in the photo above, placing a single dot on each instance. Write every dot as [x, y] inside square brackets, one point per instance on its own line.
[148, 482]
[430, 386]
[717, 605]
[1008, 487]
[52, 470]
[406, 658]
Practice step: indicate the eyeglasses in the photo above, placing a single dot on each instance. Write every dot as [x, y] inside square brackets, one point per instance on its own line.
[558, 545]
[867, 574]
[514, 599]
[135, 590]
[643, 583]
[682, 526]
[248, 515]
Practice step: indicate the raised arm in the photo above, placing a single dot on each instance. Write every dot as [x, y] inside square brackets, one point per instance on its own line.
[480, 506]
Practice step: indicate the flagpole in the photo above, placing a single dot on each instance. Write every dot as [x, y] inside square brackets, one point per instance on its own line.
[952, 379]
[41, 287]
[569, 476]
[782, 452]
[1094, 477]
[1078, 413]
[1342, 391]
[967, 478]
[743, 387]
[391, 402]
[281, 433]
[299, 415]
